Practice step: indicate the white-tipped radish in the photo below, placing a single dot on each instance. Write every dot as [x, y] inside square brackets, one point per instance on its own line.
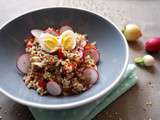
[37, 33]
[23, 63]
[91, 74]
[146, 60]
[93, 53]
[65, 28]
[53, 88]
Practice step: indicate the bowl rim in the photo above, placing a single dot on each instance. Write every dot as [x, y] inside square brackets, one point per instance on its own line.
[81, 102]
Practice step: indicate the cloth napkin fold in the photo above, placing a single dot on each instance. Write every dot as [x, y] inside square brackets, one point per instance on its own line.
[89, 111]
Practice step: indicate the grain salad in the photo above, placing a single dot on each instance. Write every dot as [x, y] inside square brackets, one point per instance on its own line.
[59, 62]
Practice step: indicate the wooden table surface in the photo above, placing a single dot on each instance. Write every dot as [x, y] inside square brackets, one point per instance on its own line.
[142, 102]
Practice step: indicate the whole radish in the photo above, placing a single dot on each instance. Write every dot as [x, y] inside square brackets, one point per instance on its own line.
[146, 60]
[153, 44]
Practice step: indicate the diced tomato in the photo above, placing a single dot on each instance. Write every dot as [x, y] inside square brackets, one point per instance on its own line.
[90, 46]
[42, 84]
[29, 44]
[60, 54]
[58, 32]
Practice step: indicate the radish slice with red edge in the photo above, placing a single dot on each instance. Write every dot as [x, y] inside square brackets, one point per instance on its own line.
[37, 33]
[93, 53]
[91, 74]
[53, 88]
[23, 63]
[65, 28]
[51, 31]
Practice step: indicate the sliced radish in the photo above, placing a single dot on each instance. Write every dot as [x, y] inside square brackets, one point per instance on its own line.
[53, 88]
[64, 28]
[93, 53]
[91, 74]
[84, 43]
[37, 33]
[51, 31]
[95, 67]
[23, 63]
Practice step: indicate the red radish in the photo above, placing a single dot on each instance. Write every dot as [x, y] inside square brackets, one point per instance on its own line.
[93, 53]
[53, 88]
[42, 84]
[153, 44]
[23, 63]
[64, 28]
[91, 74]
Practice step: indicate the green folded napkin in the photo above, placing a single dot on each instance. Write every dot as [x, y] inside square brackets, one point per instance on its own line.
[89, 111]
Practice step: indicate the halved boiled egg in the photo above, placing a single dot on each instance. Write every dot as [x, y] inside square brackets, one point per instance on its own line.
[48, 42]
[68, 40]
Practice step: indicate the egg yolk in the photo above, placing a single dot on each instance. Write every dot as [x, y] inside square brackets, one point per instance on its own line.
[67, 42]
[51, 42]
